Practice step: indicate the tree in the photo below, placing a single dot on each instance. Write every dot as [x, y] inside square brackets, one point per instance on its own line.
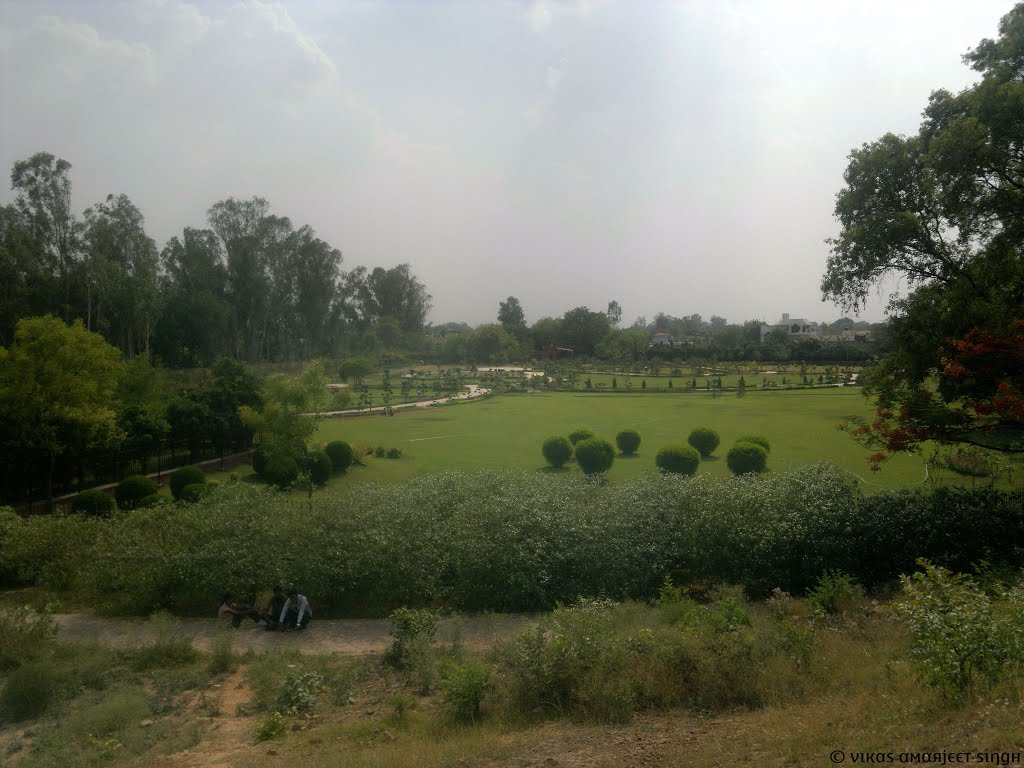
[392, 293]
[582, 330]
[944, 211]
[57, 384]
[511, 316]
[614, 314]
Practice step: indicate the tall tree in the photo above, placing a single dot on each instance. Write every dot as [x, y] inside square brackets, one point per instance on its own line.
[511, 315]
[614, 313]
[43, 200]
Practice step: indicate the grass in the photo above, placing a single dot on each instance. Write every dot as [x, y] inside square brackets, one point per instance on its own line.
[508, 431]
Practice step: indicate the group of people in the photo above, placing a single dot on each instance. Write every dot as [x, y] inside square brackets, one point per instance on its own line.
[283, 611]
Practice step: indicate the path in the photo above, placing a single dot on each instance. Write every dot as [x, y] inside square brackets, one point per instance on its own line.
[475, 391]
[351, 637]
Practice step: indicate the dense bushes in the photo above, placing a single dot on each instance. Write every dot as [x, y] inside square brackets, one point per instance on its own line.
[134, 489]
[578, 435]
[628, 441]
[680, 459]
[260, 457]
[594, 455]
[557, 450]
[282, 471]
[320, 466]
[507, 540]
[744, 458]
[705, 440]
[93, 502]
[756, 440]
[341, 455]
[194, 492]
[185, 476]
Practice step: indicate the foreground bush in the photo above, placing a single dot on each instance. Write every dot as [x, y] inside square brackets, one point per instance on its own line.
[557, 450]
[746, 458]
[134, 489]
[578, 435]
[185, 476]
[93, 502]
[30, 690]
[341, 455]
[282, 471]
[260, 457]
[628, 441]
[705, 440]
[191, 493]
[512, 540]
[594, 455]
[680, 459]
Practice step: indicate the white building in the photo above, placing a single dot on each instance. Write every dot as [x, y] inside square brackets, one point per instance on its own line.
[661, 339]
[794, 327]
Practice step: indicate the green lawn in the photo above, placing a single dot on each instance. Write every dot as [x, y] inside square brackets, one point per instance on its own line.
[507, 431]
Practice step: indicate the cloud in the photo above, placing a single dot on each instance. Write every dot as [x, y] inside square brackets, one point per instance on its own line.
[542, 14]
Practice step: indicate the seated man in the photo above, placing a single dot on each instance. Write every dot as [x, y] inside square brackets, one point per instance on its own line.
[296, 612]
[274, 607]
[235, 611]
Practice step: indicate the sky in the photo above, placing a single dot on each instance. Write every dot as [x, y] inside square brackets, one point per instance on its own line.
[677, 157]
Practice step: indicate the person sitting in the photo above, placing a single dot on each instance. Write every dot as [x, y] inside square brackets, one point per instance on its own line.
[235, 611]
[273, 613]
[296, 613]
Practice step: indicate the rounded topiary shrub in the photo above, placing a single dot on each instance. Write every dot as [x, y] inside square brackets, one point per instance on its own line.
[194, 492]
[341, 455]
[679, 459]
[705, 440]
[185, 476]
[557, 450]
[756, 440]
[260, 457]
[282, 471]
[595, 455]
[153, 500]
[580, 434]
[320, 466]
[93, 502]
[133, 489]
[746, 457]
[394, 453]
[628, 441]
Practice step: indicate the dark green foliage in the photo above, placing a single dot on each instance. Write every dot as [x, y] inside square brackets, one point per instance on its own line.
[380, 451]
[282, 471]
[705, 440]
[260, 457]
[628, 441]
[465, 686]
[93, 502]
[756, 440]
[194, 492]
[744, 458]
[30, 690]
[394, 453]
[412, 632]
[680, 459]
[153, 500]
[341, 455]
[580, 434]
[595, 455]
[185, 476]
[557, 450]
[133, 489]
[320, 466]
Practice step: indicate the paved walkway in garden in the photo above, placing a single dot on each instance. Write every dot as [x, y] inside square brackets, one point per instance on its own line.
[474, 391]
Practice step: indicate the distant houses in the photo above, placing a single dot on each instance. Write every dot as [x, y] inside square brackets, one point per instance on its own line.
[793, 327]
[661, 339]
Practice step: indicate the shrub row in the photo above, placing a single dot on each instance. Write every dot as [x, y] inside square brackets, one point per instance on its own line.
[508, 540]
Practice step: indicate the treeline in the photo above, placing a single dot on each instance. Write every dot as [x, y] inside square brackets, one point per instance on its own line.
[246, 283]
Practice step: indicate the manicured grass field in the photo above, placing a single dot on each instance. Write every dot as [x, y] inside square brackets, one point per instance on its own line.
[507, 431]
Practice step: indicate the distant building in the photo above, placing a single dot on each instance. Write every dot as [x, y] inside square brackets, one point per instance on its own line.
[794, 327]
[552, 352]
[661, 339]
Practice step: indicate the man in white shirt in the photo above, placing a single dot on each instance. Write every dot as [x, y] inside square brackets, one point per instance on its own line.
[296, 612]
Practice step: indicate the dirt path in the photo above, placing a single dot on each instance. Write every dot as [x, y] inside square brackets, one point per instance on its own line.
[351, 637]
[473, 392]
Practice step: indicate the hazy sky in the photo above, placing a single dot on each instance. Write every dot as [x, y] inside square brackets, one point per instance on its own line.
[677, 157]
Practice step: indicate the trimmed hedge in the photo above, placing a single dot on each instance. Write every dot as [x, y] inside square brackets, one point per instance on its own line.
[578, 435]
[705, 440]
[341, 455]
[679, 459]
[320, 466]
[595, 455]
[134, 489]
[628, 441]
[260, 457]
[93, 502]
[194, 492]
[557, 450]
[153, 500]
[282, 471]
[756, 440]
[185, 476]
[744, 458]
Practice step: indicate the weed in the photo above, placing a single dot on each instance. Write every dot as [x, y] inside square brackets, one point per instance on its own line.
[222, 658]
[465, 686]
[25, 634]
[273, 726]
